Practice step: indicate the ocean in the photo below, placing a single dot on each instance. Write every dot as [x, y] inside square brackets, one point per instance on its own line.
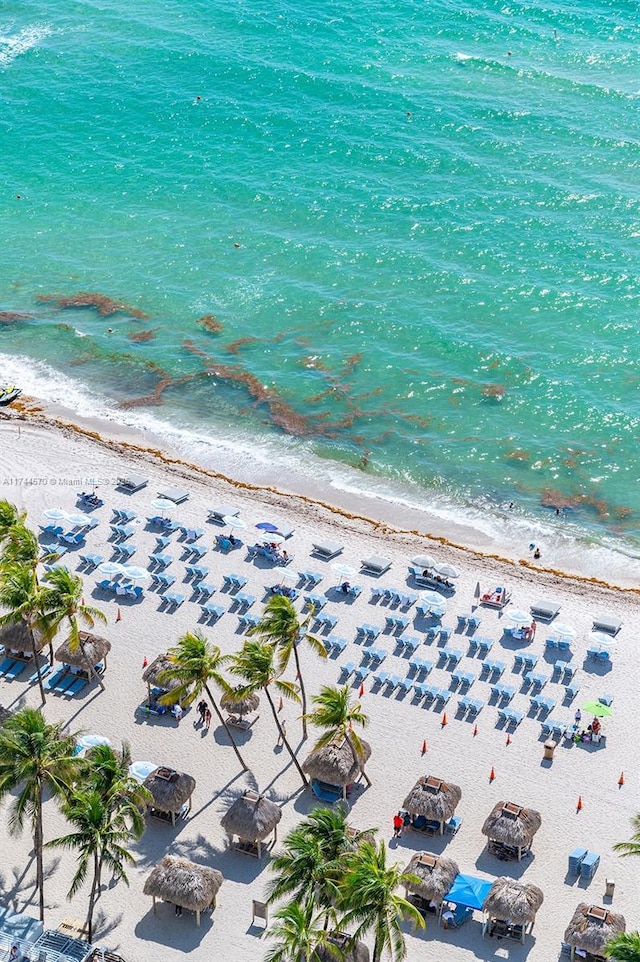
[381, 249]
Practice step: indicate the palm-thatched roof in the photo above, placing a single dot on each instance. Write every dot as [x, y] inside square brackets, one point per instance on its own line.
[17, 637]
[184, 883]
[240, 705]
[152, 674]
[337, 763]
[350, 951]
[169, 789]
[436, 874]
[432, 797]
[513, 900]
[92, 649]
[251, 817]
[512, 824]
[592, 927]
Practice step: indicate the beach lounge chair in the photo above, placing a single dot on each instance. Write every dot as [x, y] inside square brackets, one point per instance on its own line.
[463, 704]
[361, 673]
[174, 598]
[132, 482]
[76, 686]
[575, 860]
[375, 565]
[530, 662]
[222, 511]
[476, 706]
[312, 578]
[551, 642]
[197, 572]
[571, 691]
[589, 865]
[16, 669]
[606, 700]
[411, 644]
[248, 620]
[336, 644]
[51, 682]
[443, 696]
[462, 622]
[608, 623]
[75, 539]
[445, 634]
[347, 669]
[452, 825]
[164, 580]
[54, 530]
[420, 691]
[244, 600]
[485, 645]
[317, 602]
[474, 622]
[327, 549]
[44, 671]
[177, 495]
[212, 611]
[421, 666]
[544, 610]
[125, 551]
[123, 515]
[381, 678]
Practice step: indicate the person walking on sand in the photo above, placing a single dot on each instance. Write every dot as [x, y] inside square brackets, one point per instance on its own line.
[398, 824]
[202, 709]
[177, 712]
[207, 717]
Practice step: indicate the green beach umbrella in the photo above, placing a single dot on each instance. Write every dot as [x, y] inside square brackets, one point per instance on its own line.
[598, 709]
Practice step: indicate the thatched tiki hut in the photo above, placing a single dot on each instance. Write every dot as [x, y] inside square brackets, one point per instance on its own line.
[338, 763]
[349, 949]
[591, 928]
[92, 650]
[512, 901]
[153, 677]
[432, 800]
[20, 640]
[238, 705]
[252, 817]
[436, 875]
[510, 829]
[171, 792]
[183, 883]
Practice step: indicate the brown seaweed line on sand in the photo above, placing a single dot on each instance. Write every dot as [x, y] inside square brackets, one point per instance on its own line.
[105, 306]
[182, 469]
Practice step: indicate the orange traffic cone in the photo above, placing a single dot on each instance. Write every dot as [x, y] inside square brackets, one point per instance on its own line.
[508, 739]
[444, 719]
[118, 615]
[280, 705]
[144, 662]
[424, 747]
[475, 730]
[621, 780]
[361, 689]
[492, 774]
[579, 805]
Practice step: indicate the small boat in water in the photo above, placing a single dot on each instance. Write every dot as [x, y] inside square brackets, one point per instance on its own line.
[9, 394]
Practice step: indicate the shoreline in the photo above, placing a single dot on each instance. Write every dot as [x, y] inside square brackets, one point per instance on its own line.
[124, 442]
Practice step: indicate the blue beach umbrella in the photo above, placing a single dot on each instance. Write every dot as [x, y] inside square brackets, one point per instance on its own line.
[267, 526]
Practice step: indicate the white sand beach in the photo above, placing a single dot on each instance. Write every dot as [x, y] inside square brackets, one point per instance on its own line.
[44, 465]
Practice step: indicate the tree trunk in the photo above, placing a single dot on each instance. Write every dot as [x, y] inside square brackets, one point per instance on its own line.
[92, 895]
[284, 737]
[38, 845]
[37, 663]
[303, 694]
[357, 759]
[90, 668]
[245, 767]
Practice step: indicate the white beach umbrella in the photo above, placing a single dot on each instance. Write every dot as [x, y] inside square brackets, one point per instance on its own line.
[424, 561]
[55, 514]
[110, 568]
[446, 570]
[601, 640]
[564, 631]
[141, 770]
[287, 574]
[90, 741]
[273, 538]
[342, 569]
[433, 598]
[232, 522]
[162, 505]
[78, 520]
[134, 573]
[518, 618]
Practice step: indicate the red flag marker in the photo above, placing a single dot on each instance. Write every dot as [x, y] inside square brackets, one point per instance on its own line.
[579, 805]
[144, 662]
[621, 780]
[424, 747]
[118, 615]
[492, 774]
[444, 719]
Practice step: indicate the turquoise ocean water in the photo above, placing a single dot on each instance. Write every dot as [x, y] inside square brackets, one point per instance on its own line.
[415, 224]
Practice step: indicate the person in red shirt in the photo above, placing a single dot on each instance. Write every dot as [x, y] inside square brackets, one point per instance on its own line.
[398, 823]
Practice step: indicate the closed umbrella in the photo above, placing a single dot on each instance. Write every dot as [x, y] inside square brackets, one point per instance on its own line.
[424, 561]
[110, 568]
[342, 569]
[518, 618]
[55, 514]
[446, 570]
[597, 709]
[232, 522]
[135, 574]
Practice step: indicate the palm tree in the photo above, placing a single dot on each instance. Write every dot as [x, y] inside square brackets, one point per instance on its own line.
[280, 626]
[62, 602]
[10, 517]
[624, 947]
[101, 837]
[632, 847]
[195, 663]
[107, 772]
[297, 935]
[368, 898]
[21, 597]
[335, 714]
[34, 757]
[256, 664]
[312, 863]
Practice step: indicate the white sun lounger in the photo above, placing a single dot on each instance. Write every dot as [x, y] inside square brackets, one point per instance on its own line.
[608, 623]
[546, 610]
[221, 512]
[133, 482]
[327, 549]
[177, 495]
[375, 564]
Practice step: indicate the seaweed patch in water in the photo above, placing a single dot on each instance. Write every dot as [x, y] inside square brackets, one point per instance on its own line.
[12, 317]
[138, 337]
[210, 323]
[105, 306]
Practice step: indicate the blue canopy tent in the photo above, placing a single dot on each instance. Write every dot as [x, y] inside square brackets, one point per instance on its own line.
[467, 893]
